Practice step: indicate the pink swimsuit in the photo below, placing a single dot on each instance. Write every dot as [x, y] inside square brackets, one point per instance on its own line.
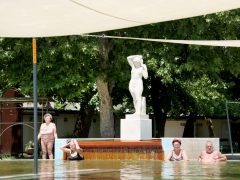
[47, 138]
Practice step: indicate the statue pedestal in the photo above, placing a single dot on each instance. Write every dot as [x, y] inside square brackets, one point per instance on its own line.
[136, 127]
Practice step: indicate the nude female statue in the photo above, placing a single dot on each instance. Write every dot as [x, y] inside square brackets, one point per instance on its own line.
[138, 71]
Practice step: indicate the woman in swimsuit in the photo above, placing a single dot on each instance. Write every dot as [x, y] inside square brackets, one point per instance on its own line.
[47, 134]
[177, 154]
[138, 71]
[73, 150]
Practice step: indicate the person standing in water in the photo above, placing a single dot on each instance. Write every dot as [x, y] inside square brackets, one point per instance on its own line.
[47, 134]
[138, 71]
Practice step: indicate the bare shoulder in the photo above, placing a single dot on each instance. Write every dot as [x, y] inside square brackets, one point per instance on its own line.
[53, 124]
[219, 153]
[202, 153]
[168, 156]
[216, 152]
[43, 125]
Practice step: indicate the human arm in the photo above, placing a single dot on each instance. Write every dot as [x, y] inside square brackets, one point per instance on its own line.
[130, 60]
[200, 157]
[40, 134]
[55, 131]
[167, 158]
[78, 149]
[145, 71]
[221, 157]
[65, 148]
[184, 155]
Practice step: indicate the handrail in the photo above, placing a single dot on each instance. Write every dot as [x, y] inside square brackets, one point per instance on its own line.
[19, 123]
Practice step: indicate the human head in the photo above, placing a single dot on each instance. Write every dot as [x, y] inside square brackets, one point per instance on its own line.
[209, 147]
[176, 143]
[72, 145]
[137, 60]
[47, 117]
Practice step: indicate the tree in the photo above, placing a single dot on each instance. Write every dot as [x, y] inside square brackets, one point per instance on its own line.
[187, 79]
[65, 69]
[183, 79]
[104, 91]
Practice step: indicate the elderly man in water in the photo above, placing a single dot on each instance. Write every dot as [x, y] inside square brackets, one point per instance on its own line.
[211, 155]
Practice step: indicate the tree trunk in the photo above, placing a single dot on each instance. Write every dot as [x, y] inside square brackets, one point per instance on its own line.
[189, 127]
[210, 127]
[104, 91]
[83, 123]
[106, 111]
[158, 98]
[85, 116]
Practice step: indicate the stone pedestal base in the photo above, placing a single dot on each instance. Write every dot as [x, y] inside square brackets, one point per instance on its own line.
[136, 127]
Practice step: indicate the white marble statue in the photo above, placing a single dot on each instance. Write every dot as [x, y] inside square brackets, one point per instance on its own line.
[138, 71]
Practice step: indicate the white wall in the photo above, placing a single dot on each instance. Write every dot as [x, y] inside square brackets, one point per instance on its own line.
[94, 131]
[174, 128]
[65, 124]
[220, 128]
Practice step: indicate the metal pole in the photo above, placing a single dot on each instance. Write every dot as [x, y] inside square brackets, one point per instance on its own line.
[35, 105]
[229, 128]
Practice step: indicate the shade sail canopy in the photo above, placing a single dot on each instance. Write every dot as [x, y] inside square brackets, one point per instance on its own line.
[44, 18]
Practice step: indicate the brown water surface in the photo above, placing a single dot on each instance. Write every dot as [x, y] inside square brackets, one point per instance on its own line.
[118, 169]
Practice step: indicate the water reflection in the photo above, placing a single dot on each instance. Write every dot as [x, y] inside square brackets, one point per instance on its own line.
[179, 168]
[176, 169]
[212, 170]
[130, 171]
[193, 170]
[71, 168]
[118, 169]
[140, 170]
[46, 170]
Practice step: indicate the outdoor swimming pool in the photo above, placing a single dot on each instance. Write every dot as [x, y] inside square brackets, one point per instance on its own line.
[118, 169]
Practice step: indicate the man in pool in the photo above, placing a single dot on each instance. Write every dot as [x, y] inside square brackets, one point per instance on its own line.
[211, 155]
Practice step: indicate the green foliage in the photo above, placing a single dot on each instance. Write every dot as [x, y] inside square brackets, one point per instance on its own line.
[29, 144]
[7, 157]
[233, 109]
[65, 66]
[208, 95]
[191, 78]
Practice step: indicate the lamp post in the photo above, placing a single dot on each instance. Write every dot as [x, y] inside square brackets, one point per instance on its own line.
[34, 45]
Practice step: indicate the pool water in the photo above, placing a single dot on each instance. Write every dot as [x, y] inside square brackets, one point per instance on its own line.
[118, 169]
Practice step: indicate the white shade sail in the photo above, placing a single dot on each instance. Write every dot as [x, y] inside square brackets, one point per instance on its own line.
[224, 43]
[44, 18]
